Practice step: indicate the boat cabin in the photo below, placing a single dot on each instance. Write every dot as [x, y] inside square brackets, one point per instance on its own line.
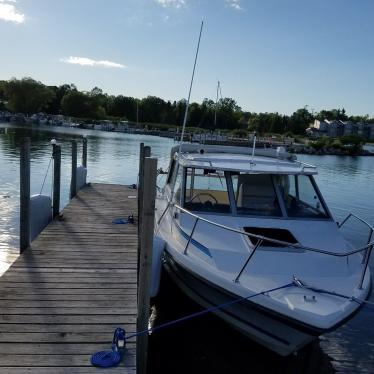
[240, 184]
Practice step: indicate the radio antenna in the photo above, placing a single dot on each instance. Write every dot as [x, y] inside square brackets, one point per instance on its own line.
[189, 92]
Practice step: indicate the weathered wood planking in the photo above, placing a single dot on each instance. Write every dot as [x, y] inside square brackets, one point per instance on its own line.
[62, 298]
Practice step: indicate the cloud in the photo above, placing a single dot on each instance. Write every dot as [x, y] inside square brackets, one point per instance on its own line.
[84, 61]
[234, 4]
[172, 3]
[8, 12]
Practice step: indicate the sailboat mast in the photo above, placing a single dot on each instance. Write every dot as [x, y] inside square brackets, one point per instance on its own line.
[215, 108]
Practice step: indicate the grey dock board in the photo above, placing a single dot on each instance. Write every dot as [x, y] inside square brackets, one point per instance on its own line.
[61, 300]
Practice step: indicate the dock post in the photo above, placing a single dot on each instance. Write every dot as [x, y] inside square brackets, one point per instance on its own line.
[56, 153]
[140, 173]
[145, 259]
[24, 195]
[84, 153]
[145, 151]
[73, 184]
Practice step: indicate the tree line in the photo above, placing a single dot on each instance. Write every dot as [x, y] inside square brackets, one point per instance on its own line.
[29, 96]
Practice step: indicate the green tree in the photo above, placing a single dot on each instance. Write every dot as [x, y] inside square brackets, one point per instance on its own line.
[300, 121]
[98, 102]
[332, 114]
[122, 106]
[2, 95]
[153, 109]
[27, 95]
[228, 114]
[76, 104]
[54, 106]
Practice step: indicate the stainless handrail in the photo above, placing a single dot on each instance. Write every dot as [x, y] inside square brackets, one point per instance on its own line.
[366, 256]
[190, 238]
[350, 214]
[368, 247]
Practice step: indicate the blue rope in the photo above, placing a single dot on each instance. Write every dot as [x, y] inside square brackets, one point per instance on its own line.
[122, 221]
[113, 357]
[205, 311]
[106, 359]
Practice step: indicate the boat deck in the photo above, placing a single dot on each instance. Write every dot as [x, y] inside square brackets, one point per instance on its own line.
[61, 300]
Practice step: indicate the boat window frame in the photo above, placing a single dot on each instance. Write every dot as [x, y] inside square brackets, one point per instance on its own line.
[227, 178]
[233, 203]
[319, 194]
[230, 190]
[282, 206]
[278, 193]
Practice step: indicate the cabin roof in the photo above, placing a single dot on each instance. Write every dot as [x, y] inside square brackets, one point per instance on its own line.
[233, 159]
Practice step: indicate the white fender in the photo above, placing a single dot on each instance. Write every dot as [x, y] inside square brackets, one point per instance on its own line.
[40, 214]
[158, 250]
[81, 177]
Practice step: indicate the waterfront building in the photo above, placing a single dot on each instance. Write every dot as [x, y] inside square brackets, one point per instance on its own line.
[337, 128]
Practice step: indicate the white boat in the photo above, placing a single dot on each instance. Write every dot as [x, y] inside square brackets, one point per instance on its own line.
[233, 225]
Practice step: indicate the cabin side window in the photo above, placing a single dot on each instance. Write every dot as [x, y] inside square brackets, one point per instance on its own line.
[300, 196]
[206, 191]
[255, 195]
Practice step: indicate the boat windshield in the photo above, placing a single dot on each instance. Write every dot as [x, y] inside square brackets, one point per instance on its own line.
[263, 195]
[206, 190]
[300, 196]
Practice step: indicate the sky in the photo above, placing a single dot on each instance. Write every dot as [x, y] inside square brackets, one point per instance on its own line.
[269, 55]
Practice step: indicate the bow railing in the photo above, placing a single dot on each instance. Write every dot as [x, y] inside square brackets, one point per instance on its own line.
[259, 239]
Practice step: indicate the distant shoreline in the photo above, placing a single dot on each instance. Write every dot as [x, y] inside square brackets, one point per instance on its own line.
[292, 148]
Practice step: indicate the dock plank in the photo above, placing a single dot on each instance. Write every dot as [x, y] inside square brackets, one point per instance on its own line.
[63, 297]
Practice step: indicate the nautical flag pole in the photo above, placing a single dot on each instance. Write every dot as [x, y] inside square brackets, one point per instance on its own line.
[189, 93]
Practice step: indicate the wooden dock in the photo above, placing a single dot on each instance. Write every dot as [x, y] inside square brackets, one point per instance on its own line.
[62, 298]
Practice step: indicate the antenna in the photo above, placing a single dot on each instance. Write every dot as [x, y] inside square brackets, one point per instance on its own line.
[189, 93]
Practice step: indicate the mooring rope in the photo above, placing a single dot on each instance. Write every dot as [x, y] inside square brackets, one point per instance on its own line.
[113, 357]
[205, 311]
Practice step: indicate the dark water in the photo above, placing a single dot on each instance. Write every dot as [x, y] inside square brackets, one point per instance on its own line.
[203, 345]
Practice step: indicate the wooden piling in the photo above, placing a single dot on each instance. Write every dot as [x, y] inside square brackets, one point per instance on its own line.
[24, 194]
[56, 179]
[84, 153]
[73, 184]
[145, 258]
[145, 151]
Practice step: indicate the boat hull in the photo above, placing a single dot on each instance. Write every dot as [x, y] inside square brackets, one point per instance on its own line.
[265, 327]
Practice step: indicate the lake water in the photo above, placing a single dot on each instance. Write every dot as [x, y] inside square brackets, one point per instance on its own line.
[205, 344]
